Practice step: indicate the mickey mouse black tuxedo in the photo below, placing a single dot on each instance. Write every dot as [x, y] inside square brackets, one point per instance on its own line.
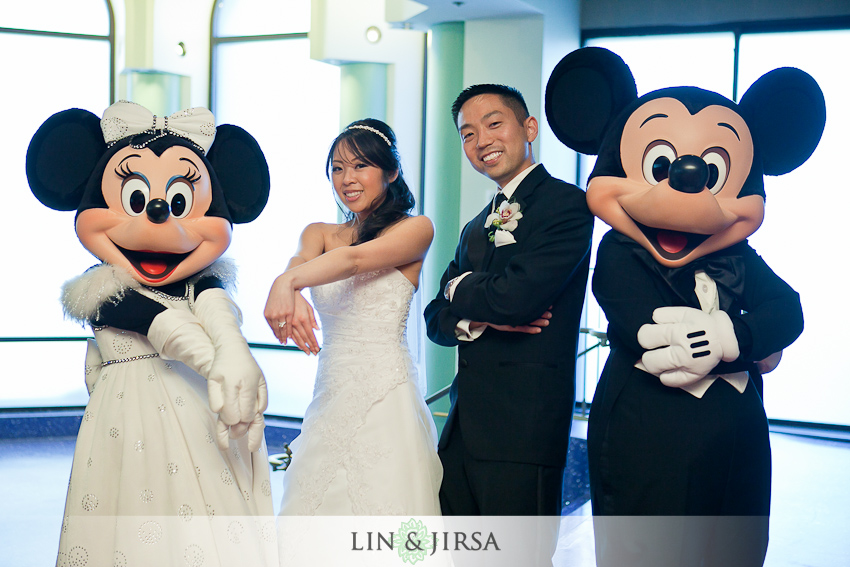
[678, 444]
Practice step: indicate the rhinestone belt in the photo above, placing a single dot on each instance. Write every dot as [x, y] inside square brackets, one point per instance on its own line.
[131, 359]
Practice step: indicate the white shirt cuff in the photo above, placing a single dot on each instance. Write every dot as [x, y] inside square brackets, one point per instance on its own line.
[462, 330]
[464, 333]
[449, 292]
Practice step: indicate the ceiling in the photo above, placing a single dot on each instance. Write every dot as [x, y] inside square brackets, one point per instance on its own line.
[439, 11]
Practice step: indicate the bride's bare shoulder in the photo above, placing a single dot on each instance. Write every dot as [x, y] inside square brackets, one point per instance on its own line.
[417, 224]
[324, 229]
[332, 235]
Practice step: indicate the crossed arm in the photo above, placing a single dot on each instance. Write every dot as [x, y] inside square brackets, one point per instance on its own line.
[402, 246]
[518, 297]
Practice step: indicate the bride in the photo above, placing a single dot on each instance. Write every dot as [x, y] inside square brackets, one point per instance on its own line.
[368, 442]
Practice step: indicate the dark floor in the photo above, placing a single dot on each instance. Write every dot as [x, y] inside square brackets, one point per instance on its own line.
[810, 522]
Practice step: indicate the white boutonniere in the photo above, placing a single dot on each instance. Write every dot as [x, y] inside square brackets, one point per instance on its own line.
[503, 222]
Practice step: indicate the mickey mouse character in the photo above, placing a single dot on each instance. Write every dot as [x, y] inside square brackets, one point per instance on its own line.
[677, 426]
[174, 423]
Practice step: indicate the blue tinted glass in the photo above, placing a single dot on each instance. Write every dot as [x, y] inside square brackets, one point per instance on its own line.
[261, 17]
[294, 122]
[699, 60]
[804, 230]
[90, 17]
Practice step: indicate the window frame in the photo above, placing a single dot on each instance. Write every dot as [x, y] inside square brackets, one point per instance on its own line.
[738, 29]
[110, 38]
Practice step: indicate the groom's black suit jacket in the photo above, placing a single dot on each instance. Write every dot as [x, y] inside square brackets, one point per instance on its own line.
[514, 393]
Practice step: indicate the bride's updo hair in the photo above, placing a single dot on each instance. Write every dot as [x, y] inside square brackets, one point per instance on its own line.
[374, 142]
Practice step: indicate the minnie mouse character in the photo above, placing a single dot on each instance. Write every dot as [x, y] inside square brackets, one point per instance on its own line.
[677, 426]
[174, 423]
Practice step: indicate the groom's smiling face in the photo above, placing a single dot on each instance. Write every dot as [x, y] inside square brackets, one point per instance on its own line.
[496, 142]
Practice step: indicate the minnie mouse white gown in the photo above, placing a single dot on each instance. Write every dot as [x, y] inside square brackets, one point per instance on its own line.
[149, 485]
[368, 444]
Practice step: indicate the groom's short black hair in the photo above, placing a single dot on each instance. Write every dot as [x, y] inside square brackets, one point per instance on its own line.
[510, 96]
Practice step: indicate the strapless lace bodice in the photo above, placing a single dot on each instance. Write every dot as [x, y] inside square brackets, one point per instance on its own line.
[367, 308]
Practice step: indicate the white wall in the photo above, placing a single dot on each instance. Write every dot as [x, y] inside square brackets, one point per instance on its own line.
[170, 28]
[520, 52]
[561, 35]
[506, 51]
[338, 35]
[148, 32]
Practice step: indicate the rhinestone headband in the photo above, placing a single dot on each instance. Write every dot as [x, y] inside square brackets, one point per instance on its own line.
[369, 128]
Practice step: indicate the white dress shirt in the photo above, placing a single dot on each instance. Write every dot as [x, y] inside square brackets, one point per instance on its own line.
[462, 330]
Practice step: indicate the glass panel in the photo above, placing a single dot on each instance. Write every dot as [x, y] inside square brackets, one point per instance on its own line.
[41, 249]
[37, 374]
[294, 133]
[810, 383]
[702, 60]
[290, 376]
[61, 376]
[89, 17]
[261, 17]
[699, 60]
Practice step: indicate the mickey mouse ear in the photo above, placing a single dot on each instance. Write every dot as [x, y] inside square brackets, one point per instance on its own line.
[61, 157]
[242, 171]
[585, 93]
[787, 110]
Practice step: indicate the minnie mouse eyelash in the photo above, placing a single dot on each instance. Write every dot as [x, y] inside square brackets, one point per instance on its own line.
[192, 176]
[123, 171]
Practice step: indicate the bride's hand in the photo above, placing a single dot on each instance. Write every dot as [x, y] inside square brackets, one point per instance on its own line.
[280, 308]
[303, 325]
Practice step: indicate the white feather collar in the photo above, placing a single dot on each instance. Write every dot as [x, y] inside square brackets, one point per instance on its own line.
[83, 296]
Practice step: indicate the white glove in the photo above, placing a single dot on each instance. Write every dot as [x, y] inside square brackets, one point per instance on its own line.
[688, 344]
[178, 335]
[235, 385]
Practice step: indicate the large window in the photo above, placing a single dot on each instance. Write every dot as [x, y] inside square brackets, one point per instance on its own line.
[802, 236]
[804, 233]
[57, 55]
[264, 81]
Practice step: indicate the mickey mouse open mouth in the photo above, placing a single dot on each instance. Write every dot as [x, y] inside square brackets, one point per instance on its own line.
[671, 244]
[153, 266]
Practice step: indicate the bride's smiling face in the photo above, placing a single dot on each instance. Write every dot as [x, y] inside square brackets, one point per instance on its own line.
[359, 185]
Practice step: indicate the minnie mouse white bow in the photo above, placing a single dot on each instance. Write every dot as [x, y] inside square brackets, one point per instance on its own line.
[125, 118]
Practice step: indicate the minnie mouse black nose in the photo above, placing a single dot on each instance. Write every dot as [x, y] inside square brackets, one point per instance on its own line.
[688, 174]
[158, 211]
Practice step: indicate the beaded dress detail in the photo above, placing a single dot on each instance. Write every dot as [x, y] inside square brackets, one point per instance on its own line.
[368, 444]
[149, 485]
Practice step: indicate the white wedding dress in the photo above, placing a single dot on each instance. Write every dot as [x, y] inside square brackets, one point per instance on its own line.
[368, 444]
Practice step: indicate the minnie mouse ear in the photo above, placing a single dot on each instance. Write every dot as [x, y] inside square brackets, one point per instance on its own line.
[242, 171]
[61, 157]
[585, 93]
[786, 109]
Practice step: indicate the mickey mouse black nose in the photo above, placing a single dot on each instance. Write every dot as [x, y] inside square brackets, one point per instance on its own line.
[158, 211]
[688, 174]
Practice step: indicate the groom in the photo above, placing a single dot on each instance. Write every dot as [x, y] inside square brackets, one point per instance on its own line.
[510, 301]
